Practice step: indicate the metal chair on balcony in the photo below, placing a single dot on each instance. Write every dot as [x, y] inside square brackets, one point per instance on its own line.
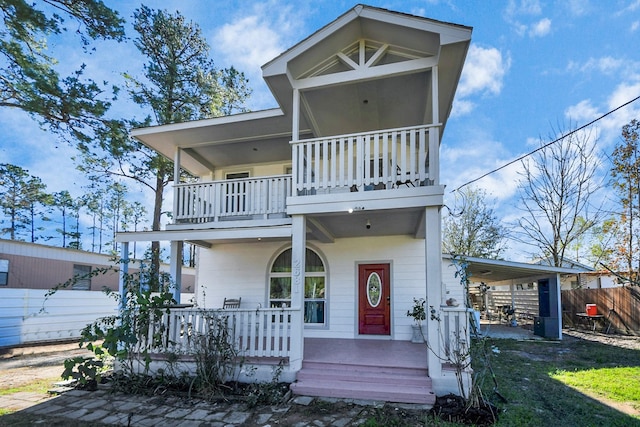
[401, 178]
[231, 303]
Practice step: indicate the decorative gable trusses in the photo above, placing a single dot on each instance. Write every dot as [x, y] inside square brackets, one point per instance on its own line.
[363, 60]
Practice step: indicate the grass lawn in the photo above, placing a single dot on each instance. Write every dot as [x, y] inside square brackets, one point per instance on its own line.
[37, 386]
[564, 383]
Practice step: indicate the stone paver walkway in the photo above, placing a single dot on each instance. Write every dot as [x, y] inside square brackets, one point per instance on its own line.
[118, 409]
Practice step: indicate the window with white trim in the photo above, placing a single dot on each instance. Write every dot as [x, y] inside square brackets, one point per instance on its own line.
[4, 272]
[315, 302]
[82, 276]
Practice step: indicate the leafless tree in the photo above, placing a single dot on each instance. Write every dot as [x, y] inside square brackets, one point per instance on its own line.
[557, 186]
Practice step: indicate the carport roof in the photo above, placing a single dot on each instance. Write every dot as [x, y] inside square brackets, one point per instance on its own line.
[495, 270]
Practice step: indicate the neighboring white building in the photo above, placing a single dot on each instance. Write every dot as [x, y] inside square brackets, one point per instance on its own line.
[594, 280]
[323, 215]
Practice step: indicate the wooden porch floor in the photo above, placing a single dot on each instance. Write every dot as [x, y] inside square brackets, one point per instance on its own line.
[392, 371]
[401, 354]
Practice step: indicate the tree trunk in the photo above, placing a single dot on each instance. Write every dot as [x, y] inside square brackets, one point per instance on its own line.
[157, 215]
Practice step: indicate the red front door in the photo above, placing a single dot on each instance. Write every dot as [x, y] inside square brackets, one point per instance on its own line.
[374, 299]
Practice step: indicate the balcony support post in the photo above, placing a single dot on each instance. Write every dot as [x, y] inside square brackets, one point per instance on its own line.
[296, 166]
[434, 132]
[176, 179]
[175, 269]
[298, 252]
[295, 125]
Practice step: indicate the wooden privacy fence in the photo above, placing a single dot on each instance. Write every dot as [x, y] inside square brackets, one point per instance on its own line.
[523, 301]
[619, 306]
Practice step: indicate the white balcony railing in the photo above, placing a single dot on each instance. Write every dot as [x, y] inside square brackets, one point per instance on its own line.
[256, 333]
[244, 197]
[364, 161]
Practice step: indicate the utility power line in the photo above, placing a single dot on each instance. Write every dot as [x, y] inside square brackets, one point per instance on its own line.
[546, 145]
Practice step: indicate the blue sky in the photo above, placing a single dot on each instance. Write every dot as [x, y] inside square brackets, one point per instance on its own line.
[533, 67]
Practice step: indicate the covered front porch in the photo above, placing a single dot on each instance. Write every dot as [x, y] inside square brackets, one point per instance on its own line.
[359, 368]
[368, 369]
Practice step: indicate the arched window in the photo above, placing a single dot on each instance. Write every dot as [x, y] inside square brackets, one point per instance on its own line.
[314, 285]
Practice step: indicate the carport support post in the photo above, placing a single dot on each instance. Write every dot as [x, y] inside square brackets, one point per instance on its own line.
[124, 271]
[175, 269]
[558, 305]
[433, 264]
[298, 253]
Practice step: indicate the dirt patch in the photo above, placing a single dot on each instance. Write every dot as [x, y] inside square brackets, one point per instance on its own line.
[622, 341]
[24, 365]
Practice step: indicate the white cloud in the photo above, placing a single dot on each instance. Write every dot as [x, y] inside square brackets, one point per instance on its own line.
[523, 7]
[483, 73]
[634, 26]
[609, 127]
[250, 41]
[540, 28]
[581, 112]
[516, 12]
[254, 38]
[476, 155]
[622, 94]
[462, 107]
[605, 64]
[633, 6]
[577, 7]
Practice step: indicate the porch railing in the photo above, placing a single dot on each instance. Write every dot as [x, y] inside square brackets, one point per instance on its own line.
[363, 161]
[256, 333]
[233, 198]
[456, 337]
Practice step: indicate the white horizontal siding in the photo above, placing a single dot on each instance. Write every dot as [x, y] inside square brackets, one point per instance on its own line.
[453, 287]
[241, 270]
[26, 317]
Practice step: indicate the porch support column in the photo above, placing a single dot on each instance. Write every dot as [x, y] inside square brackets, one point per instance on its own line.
[175, 269]
[433, 263]
[298, 252]
[124, 271]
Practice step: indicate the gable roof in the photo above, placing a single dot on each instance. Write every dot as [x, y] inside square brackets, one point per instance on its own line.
[352, 98]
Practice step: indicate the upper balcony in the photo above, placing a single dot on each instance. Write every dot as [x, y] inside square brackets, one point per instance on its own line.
[392, 160]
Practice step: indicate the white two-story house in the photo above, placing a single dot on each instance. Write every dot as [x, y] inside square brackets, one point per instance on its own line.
[323, 215]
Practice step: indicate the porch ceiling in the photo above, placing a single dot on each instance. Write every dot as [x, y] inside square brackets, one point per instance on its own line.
[207, 145]
[383, 223]
[378, 104]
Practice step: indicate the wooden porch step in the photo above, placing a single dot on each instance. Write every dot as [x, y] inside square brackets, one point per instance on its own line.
[363, 373]
[390, 384]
